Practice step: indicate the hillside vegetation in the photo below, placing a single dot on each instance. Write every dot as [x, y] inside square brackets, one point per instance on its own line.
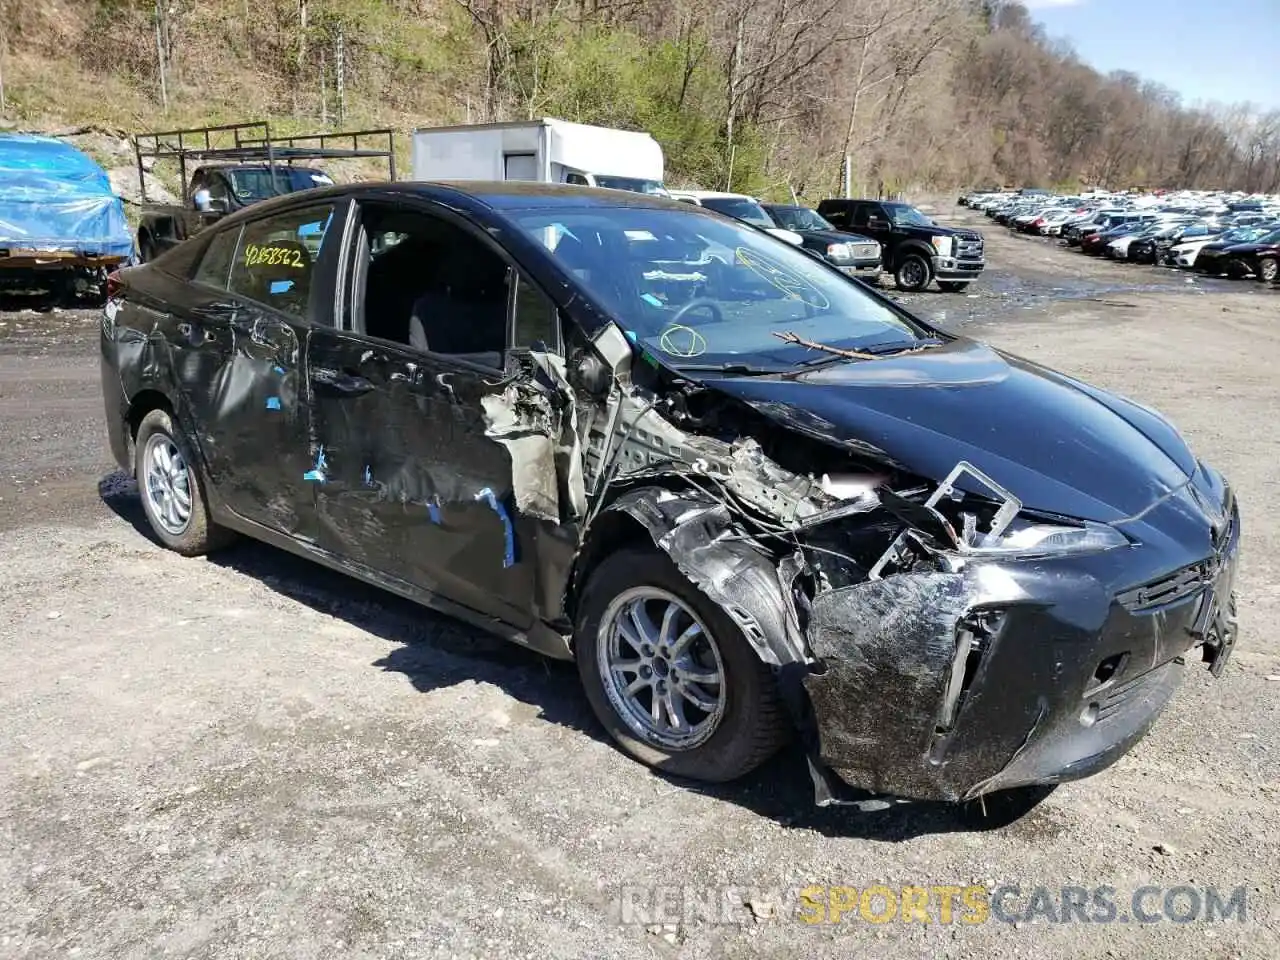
[759, 95]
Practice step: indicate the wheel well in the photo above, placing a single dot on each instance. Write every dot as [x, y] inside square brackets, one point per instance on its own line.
[142, 404]
[610, 532]
[918, 248]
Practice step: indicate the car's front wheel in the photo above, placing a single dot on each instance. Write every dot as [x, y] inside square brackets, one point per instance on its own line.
[670, 675]
[169, 485]
[913, 273]
[1268, 270]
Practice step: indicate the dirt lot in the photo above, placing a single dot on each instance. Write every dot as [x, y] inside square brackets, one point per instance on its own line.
[249, 757]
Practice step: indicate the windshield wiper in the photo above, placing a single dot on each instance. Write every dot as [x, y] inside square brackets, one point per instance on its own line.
[874, 352]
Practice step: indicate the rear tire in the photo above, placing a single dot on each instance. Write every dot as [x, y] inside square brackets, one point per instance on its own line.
[1268, 270]
[172, 495]
[913, 273]
[953, 286]
[744, 719]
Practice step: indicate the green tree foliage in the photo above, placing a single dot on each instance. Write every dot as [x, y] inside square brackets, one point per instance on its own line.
[766, 96]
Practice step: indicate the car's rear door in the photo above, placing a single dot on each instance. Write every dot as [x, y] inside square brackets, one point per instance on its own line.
[259, 288]
[413, 487]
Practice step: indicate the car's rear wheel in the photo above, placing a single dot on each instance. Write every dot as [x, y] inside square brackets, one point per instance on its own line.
[169, 484]
[670, 675]
[913, 273]
[953, 286]
[1268, 270]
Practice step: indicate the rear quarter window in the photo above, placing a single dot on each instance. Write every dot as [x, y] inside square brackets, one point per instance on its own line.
[215, 263]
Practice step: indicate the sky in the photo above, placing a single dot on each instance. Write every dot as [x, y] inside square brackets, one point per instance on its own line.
[1226, 50]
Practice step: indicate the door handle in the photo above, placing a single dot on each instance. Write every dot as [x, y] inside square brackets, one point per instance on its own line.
[340, 381]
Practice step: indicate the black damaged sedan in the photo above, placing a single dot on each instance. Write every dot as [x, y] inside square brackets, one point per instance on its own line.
[753, 499]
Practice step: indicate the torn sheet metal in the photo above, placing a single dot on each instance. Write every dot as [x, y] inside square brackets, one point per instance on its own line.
[532, 419]
[746, 582]
[888, 648]
[636, 438]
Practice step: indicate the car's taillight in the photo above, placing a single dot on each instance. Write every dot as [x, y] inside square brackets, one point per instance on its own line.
[115, 286]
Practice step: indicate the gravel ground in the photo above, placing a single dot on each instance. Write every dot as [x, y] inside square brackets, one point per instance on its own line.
[248, 756]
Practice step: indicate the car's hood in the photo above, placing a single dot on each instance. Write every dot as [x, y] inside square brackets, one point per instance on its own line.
[1060, 446]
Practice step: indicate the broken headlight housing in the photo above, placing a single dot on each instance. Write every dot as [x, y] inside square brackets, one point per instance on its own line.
[1030, 538]
[950, 523]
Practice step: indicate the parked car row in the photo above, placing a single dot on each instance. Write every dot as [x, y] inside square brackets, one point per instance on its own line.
[1218, 235]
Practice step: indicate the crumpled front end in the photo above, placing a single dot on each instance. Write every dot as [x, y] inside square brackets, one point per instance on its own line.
[951, 685]
[916, 660]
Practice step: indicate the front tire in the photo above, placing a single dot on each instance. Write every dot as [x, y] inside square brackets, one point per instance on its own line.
[1268, 270]
[669, 674]
[953, 286]
[169, 484]
[913, 273]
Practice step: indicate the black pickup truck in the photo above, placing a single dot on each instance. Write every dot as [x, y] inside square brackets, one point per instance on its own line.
[916, 250]
[240, 164]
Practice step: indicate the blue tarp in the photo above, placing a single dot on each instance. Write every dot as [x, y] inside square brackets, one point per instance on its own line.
[54, 198]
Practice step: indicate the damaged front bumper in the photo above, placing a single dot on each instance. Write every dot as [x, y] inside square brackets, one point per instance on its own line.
[947, 686]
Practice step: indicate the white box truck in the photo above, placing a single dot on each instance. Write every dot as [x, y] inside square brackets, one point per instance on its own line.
[546, 150]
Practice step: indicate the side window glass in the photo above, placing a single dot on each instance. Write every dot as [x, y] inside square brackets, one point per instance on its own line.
[536, 318]
[576, 178]
[275, 260]
[432, 286]
[215, 262]
[861, 213]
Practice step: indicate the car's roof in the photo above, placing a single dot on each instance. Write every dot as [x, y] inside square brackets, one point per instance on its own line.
[476, 195]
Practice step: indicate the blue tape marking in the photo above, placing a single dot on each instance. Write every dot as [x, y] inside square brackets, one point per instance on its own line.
[280, 286]
[434, 510]
[651, 299]
[508, 532]
[278, 369]
[317, 473]
[273, 403]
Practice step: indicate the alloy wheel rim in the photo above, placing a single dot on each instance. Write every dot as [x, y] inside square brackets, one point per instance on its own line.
[912, 273]
[1270, 270]
[661, 669]
[167, 484]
